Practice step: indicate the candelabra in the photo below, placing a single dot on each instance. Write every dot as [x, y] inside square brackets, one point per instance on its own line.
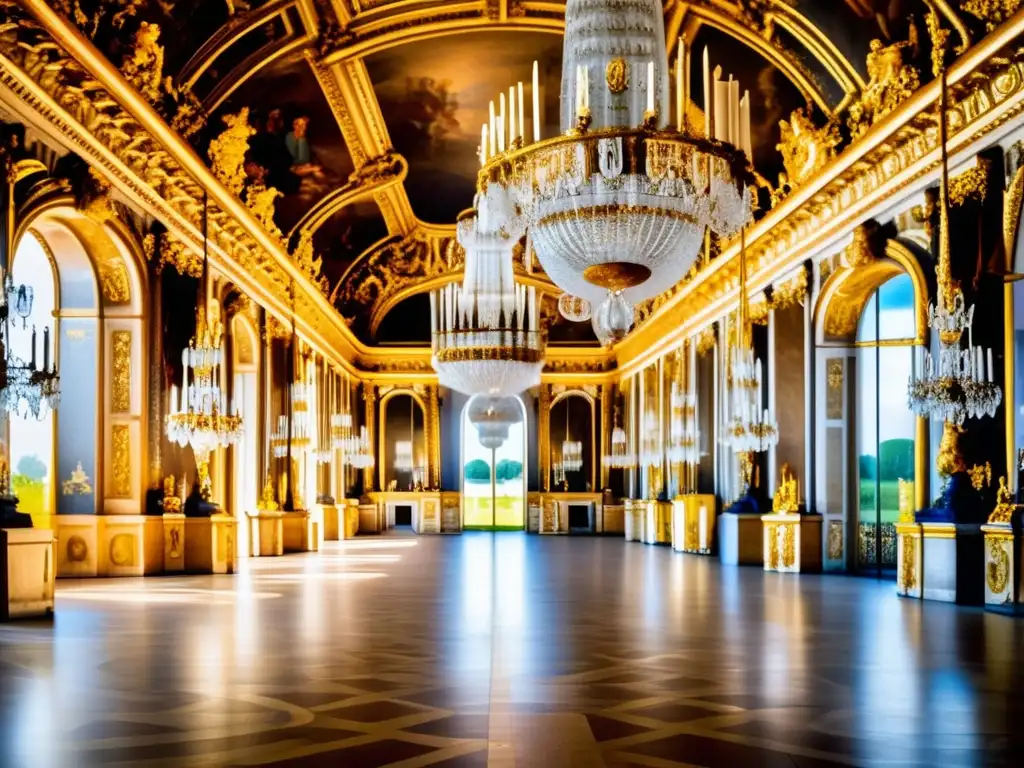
[748, 429]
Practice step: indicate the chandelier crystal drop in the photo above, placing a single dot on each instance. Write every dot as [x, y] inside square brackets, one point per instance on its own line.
[486, 332]
[403, 456]
[359, 453]
[619, 202]
[620, 456]
[650, 443]
[572, 455]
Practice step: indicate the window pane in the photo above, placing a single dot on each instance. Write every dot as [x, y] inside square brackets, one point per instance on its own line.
[867, 455]
[896, 309]
[867, 326]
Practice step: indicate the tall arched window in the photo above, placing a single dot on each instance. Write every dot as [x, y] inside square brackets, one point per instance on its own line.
[494, 465]
[32, 440]
[885, 426]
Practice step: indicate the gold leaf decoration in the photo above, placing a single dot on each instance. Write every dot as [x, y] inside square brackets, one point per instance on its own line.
[120, 388]
[227, 151]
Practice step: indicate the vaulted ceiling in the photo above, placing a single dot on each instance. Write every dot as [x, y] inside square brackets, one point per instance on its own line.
[395, 91]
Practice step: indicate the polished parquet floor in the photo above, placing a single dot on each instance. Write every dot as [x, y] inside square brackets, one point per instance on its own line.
[508, 650]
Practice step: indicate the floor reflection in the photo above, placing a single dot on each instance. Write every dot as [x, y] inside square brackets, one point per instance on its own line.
[509, 650]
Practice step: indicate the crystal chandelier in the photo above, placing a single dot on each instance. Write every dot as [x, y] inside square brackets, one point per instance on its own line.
[572, 450]
[486, 332]
[25, 388]
[618, 203]
[748, 429]
[650, 444]
[493, 417]
[959, 384]
[404, 460]
[203, 419]
[684, 437]
[620, 456]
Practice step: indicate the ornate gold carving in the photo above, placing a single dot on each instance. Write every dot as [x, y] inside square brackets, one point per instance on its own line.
[93, 198]
[1005, 505]
[950, 461]
[866, 247]
[981, 476]
[176, 254]
[121, 379]
[261, 200]
[114, 281]
[122, 550]
[972, 184]
[78, 484]
[307, 260]
[992, 12]
[143, 67]
[834, 391]
[908, 566]
[804, 147]
[891, 82]
[997, 569]
[771, 532]
[120, 461]
[616, 75]
[227, 151]
[172, 502]
[706, 340]
[268, 499]
[789, 545]
[835, 540]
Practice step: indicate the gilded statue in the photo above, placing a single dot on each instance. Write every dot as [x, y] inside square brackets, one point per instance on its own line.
[261, 200]
[143, 67]
[172, 502]
[227, 151]
[1005, 504]
[268, 499]
[804, 147]
[891, 81]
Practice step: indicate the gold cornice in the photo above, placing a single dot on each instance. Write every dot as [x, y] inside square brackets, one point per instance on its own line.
[898, 152]
[156, 170]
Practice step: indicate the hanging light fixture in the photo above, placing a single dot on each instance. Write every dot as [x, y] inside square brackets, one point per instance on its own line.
[202, 419]
[404, 459]
[959, 384]
[650, 444]
[485, 333]
[618, 203]
[748, 429]
[620, 456]
[572, 450]
[493, 417]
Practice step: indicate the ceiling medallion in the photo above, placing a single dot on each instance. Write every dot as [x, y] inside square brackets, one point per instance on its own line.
[617, 204]
[616, 74]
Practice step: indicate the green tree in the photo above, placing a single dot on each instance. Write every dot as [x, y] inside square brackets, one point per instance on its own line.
[31, 467]
[478, 471]
[896, 459]
[508, 469]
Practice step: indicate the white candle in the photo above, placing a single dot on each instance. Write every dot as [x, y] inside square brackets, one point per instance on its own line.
[708, 97]
[734, 112]
[512, 124]
[579, 90]
[586, 88]
[721, 104]
[650, 86]
[679, 85]
[174, 398]
[536, 102]
[990, 365]
[522, 113]
[501, 122]
[483, 144]
[493, 133]
[745, 143]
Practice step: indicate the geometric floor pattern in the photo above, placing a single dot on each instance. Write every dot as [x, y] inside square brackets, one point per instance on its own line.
[507, 650]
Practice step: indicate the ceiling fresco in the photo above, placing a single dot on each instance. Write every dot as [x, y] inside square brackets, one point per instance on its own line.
[434, 99]
[297, 141]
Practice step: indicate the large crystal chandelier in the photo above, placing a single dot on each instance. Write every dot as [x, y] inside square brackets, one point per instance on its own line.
[748, 428]
[203, 418]
[684, 437]
[572, 450]
[354, 446]
[493, 417]
[620, 457]
[25, 388]
[617, 204]
[959, 384]
[486, 332]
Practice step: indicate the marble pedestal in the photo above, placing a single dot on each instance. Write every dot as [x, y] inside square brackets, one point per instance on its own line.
[210, 544]
[266, 534]
[1004, 582]
[331, 521]
[351, 519]
[134, 544]
[791, 542]
[300, 531]
[693, 523]
[632, 516]
[27, 573]
[941, 561]
[740, 539]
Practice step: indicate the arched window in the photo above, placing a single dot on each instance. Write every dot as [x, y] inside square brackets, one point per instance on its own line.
[494, 464]
[885, 425]
[32, 440]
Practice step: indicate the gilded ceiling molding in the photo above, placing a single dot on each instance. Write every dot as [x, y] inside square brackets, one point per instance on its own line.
[126, 140]
[1012, 201]
[240, 25]
[899, 153]
[328, 80]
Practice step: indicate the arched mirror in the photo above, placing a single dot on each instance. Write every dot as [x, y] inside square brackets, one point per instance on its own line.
[403, 446]
[572, 443]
